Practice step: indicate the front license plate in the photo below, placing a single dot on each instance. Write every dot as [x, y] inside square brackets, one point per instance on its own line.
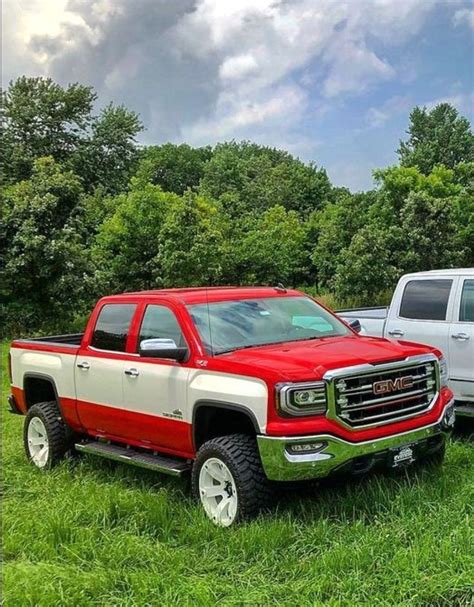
[402, 456]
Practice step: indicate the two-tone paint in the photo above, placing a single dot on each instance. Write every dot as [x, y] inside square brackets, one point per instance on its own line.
[155, 407]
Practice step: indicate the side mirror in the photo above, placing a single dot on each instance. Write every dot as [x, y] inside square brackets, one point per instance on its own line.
[355, 325]
[162, 348]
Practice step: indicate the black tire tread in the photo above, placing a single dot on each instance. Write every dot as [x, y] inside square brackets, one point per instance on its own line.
[55, 428]
[240, 453]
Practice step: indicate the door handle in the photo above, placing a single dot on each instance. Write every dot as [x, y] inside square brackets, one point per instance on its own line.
[132, 372]
[396, 333]
[461, 336]
[85, 366]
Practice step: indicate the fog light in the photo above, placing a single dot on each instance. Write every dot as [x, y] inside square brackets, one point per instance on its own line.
[449, 417]
[298, 448]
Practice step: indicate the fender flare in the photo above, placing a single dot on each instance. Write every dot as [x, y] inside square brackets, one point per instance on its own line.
[218, 404]
[44, 377]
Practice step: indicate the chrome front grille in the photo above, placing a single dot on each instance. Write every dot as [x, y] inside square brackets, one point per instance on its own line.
[373, 395]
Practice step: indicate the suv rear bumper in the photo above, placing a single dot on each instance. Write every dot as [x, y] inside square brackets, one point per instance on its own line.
[294, 458]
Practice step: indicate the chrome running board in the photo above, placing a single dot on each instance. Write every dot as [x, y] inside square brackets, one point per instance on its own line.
[151, 461]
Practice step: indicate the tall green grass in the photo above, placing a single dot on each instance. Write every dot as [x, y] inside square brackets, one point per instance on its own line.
[96, 533]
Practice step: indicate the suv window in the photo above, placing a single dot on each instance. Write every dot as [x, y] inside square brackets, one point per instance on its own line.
[426, 299]
[466, 312]
[160, 321]
[111, 329]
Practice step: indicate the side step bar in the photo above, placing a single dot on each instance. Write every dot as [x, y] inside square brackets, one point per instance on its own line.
[160, 463]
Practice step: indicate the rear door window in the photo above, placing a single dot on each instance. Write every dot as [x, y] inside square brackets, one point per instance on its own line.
[466, 310]
[111, 329]
[426, 299]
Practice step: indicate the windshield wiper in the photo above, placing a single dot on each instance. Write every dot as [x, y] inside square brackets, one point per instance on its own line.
[270, 343]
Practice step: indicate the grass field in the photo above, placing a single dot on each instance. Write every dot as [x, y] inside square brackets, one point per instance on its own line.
[95, 533]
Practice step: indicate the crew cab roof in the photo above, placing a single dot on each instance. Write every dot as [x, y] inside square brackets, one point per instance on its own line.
[449, 272]
[197, 295]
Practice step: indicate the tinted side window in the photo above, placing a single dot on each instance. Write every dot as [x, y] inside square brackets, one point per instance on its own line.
[112, 327]
[426, 299]
[160, 321]
[466, 312]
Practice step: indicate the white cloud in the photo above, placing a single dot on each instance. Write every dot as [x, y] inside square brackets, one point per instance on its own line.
[203, 70]
[463, 102]
[237, 117]
[394, 106]
[464, 16]
[237, 67]
[353, 69]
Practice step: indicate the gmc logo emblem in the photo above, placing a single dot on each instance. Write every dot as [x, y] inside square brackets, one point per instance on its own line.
[392, 385]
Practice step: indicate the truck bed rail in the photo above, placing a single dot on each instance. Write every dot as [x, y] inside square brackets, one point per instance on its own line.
[73, 340]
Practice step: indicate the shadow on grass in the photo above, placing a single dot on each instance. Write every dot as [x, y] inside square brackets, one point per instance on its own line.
[105, 470]
[464, 429]
[340, 499]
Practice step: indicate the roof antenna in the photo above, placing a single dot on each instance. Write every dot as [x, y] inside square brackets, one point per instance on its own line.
[280, 288]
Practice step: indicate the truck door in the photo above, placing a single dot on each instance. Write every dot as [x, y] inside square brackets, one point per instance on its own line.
[100, 369]
[461, 342]
[422, 312]
[155, 389]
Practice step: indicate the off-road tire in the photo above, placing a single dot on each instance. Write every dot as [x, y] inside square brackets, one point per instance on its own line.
[239, 452]
[56, 432]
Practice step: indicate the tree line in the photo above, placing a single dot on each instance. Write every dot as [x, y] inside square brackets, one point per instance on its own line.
[86, 211]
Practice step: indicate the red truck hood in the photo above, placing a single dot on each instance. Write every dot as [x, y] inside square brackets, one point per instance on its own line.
[300, 360]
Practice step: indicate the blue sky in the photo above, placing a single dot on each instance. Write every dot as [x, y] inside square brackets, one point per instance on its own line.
[437, 65]
[332, 81]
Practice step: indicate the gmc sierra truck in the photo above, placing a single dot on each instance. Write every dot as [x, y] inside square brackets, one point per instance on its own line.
[436, 308]
[237, 386]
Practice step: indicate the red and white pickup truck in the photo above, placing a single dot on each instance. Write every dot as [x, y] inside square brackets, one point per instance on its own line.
[239, 386]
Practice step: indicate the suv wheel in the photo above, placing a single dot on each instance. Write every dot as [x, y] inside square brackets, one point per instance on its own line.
[44, 435]
[229, 479]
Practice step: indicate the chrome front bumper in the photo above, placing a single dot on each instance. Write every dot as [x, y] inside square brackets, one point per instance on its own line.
[282, 462]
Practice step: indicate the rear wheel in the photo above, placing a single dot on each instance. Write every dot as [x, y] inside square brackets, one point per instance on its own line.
[44, 435]
[229, 479]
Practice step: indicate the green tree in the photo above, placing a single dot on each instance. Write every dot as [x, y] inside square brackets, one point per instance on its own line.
[45, 265]
[439, 136]
[128, 241]
[464, 211]
[109, 155]
[331, 230]
[192, 249]
[414, 224]
[251, 178]
[428, 234]
[42, 119]
[272, 249]
[367, 266]
[175, 168]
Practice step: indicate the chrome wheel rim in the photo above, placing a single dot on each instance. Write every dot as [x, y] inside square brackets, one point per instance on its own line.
[218, 492]
[38, 444]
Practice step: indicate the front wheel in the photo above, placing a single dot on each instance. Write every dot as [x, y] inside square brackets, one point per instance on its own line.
[44, 435]
[229, 479]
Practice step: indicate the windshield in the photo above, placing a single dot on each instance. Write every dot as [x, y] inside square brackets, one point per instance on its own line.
[231, 325]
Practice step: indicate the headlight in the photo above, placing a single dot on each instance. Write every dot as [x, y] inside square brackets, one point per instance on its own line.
[443, 372]
[303, 399]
